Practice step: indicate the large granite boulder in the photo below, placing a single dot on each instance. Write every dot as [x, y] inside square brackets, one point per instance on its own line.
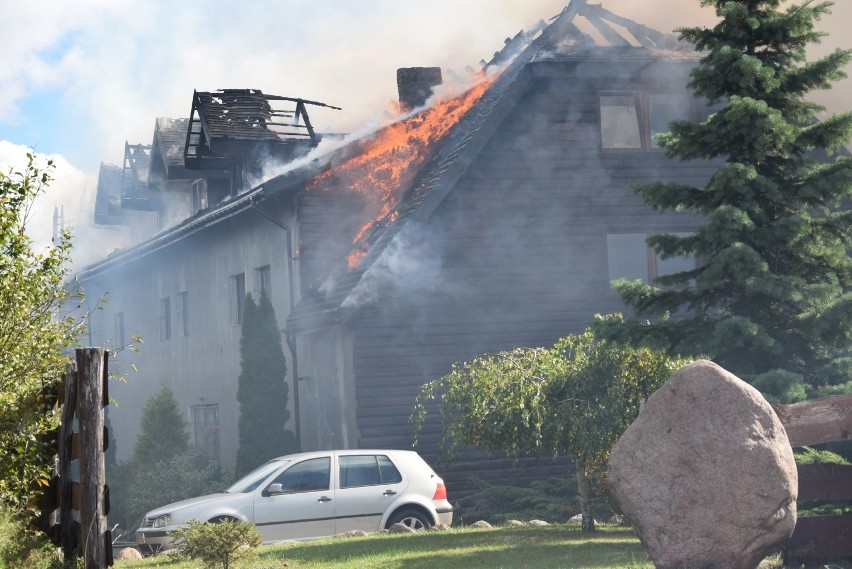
[706, 474]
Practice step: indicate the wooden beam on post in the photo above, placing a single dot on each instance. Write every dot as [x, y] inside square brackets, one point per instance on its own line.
[68, 536]
[817, 421]
[91, 377]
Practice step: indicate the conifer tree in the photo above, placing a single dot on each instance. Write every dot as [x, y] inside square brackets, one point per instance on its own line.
[771, 299]
[162, 431]
[262, 391]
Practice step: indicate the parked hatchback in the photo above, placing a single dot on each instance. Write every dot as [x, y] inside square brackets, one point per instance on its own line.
[316, 494]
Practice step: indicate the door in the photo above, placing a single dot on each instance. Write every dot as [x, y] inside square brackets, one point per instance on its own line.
[367, 486]
[298, 503]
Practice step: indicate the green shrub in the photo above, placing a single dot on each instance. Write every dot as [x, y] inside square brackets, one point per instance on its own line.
[23, 548]
[217, 544]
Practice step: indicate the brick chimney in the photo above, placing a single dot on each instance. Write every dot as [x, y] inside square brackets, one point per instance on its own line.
[415, 84]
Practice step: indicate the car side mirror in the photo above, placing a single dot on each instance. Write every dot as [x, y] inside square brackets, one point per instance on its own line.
[275, 488]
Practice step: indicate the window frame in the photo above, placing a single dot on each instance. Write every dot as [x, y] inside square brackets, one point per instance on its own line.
[205, 430]
[165, 313]
[182, 316]
[643, 100]
[237, 290]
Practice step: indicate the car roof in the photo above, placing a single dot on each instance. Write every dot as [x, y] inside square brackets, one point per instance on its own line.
[354, 451]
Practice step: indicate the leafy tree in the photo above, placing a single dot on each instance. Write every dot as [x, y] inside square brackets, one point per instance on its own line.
[262, 391]
[34, 334]
[574, 399]
[772, 299]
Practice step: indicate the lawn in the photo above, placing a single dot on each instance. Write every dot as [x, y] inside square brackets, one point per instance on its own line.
[509, 547]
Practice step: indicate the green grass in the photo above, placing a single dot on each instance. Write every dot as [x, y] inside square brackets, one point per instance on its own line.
[510, 547]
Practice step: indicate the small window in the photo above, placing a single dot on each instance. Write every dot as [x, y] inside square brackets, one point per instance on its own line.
[630, 258]
[183, 313]
[165, 318]
[238, 298]
[307, 476]
[262, 281]
[119, 331]
[199, 195]
[620, 122]
[205, 422]
[664, 108]
[389, 473]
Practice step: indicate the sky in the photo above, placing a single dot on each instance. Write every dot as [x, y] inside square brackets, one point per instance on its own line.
[80, 78]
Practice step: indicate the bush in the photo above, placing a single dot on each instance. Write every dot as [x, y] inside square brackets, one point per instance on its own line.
[23, 548]
[217, 544]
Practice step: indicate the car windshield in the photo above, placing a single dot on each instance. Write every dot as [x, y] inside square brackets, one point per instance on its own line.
[253, 479]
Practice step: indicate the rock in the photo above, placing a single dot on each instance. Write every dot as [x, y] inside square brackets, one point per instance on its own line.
[538, 523]
[706, 473]
[401, 528]
[128, 553]
[353, 533]
[440, 527]
[480, 524]
[514, 523]
[616, 520]
[575, 520]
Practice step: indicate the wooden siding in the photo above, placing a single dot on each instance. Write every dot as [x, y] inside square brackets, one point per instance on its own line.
[516, 255]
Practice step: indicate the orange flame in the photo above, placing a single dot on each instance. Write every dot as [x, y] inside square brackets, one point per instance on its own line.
[388, 161]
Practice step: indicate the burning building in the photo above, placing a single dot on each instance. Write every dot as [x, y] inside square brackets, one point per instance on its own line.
[489, 219]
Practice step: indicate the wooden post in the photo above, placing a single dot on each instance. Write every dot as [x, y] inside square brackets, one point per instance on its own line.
[91, 375]
[66, 518]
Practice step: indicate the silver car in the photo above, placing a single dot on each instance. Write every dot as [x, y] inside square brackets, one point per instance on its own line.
[316, 494]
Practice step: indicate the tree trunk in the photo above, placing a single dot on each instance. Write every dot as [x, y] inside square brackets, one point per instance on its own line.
[585, 493]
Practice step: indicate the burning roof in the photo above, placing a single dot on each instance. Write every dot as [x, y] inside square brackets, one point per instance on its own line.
[411, 195]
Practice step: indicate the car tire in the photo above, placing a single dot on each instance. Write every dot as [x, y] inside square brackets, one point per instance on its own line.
[414, 519]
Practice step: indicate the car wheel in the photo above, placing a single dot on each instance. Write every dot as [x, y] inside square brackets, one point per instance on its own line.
[410, 518]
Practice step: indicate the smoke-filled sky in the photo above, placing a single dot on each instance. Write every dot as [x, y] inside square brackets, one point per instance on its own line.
[80, 78]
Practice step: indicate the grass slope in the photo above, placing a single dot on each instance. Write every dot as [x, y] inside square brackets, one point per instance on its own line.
[498, 548]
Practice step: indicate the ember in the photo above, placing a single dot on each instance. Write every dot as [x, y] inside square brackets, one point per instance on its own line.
[391, 159]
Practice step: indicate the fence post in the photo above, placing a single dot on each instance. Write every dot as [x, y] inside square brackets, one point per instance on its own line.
[68, 535]
[91, 397]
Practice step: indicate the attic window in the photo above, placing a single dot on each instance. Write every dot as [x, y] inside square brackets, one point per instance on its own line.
[629, 121]
[620, 124]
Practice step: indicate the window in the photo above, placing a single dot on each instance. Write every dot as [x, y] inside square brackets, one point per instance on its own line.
[238, 298]
[199, 195]
[183, 313]
[205, 422]
[630, 258]
[309, 475]
[367, 471]
[664, 108]
[119, 330]
[262, 281]
[165, 318]
[620, 121]
[629, 121]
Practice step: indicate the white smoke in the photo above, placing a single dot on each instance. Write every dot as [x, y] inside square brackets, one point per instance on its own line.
[72, 194]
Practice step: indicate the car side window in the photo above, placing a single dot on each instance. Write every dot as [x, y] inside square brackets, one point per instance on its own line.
[306, 476]
[358, 471]
[388, 472]
[367, 470]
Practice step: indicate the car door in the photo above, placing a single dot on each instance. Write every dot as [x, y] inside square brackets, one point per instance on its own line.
[298, 503]
[367, 485]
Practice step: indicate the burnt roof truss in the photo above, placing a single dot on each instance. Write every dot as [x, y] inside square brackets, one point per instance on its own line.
[228, 123]
[135, 193]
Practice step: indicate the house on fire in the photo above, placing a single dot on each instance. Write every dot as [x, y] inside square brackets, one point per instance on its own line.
[489, 220]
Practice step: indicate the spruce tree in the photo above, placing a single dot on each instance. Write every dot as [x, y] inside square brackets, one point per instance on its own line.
[162, 431]
[771, 299]
[262, 392]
